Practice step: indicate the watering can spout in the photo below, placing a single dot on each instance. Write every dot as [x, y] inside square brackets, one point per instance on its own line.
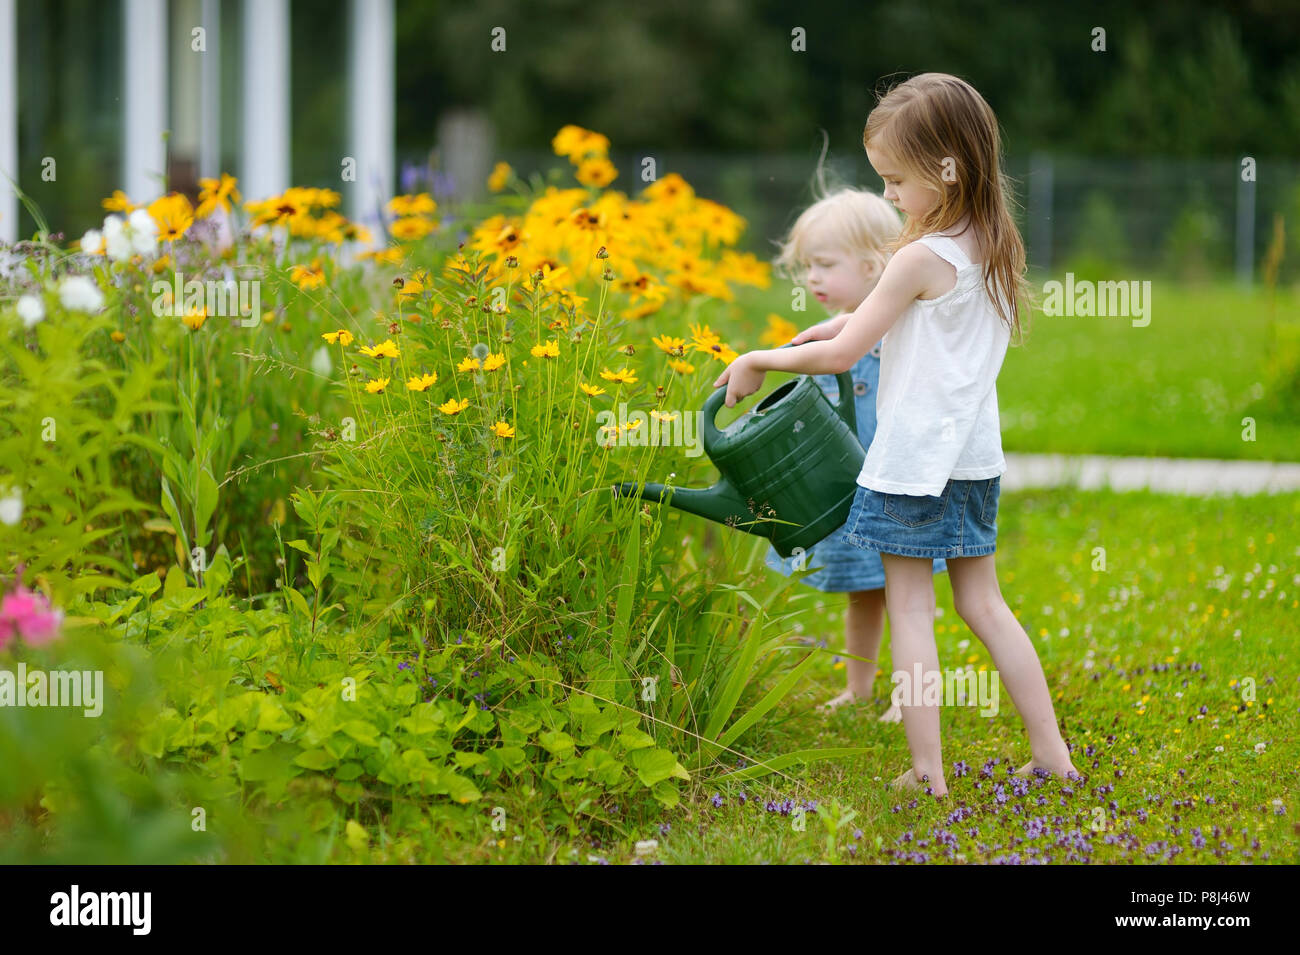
[720, 503]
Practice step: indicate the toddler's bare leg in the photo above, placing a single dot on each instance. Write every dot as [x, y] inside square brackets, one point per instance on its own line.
[864, 626]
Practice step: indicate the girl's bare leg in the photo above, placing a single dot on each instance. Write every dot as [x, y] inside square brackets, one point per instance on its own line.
[909, 594]
[979, 602]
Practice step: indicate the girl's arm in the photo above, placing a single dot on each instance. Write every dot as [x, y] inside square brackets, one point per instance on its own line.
[907, 275]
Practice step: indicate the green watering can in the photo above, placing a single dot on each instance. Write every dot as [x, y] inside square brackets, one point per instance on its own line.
[789, 467]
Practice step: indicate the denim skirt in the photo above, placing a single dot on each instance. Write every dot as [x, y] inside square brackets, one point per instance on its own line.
[960, 522]
[838, 566]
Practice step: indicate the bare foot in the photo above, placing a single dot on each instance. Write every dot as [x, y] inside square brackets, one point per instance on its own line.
[848, 696]
[907, 780]
[1061, 768]
[892, 715]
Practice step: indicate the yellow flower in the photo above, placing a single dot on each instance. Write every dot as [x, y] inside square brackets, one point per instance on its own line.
[385, 349]
[213, 193]
[470, 363]
[673, 346]
[592, 390]
[550, 350]
[308, 276]
[195, 318]
[377, 385]
[494, 361]
[779, 330]
[173, 214]
[342, 336]
[598, 172]
[422, 382]
[576, 142]
[453, 407]
[500, 175]
[681, 367]
[623, 376]
[411, 227]
[660, 416]
[389, 256]
[412, 205]
[503, 430]
[118, 202]
[118, 337]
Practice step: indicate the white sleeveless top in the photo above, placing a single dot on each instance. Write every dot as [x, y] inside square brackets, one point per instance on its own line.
[937, 401]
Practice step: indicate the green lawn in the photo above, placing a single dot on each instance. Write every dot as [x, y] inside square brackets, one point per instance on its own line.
[1178, 386]
[1148, 662]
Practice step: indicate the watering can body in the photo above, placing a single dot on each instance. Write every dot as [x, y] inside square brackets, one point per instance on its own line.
[788, 468]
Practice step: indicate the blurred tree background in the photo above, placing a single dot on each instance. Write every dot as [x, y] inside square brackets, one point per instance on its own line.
[1136, 145]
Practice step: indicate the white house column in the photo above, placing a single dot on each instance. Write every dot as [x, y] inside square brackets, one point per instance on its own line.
[371, 62]
[265, 157]
[210, 92]
[144, 152]
[8, 120]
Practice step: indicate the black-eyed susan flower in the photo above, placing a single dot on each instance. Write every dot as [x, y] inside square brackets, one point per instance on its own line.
[410, 227]
[494, 361]
[173, 215]
[549, 350]
[658, 415]
[422, 382]
[681, 367]
[779, 330]
[308, 276]
[385, 349]
[503, 430]
[592, 390]
[469, 363]
[342, 336]
[597, 171]
[215, 193]
[575, 142]
[119, 202]
[499, 177]
[453, 407]
[376, 386]
[670, 345]
[389, 256]
[623, 376]
[412, 205]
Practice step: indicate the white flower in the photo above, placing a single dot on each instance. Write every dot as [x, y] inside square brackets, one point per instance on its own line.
[91, 241]
[80, 294]
[144, 232]
[1260, 747]
[11, 508]
[117, 243]
[31, 310]
[320, 362]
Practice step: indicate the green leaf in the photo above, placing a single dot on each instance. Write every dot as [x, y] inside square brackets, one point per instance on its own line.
[653, 765]
[175, 581]
[317, 759]
[146, 585]
[364, 733]
[303, 546]
[298, 601]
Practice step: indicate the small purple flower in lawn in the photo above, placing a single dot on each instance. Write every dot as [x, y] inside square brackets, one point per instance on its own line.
[403, 665]
[960, 768]
[716, 800]
[664, 827]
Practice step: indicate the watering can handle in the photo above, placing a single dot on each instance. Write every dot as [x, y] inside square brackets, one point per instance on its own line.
[843, 404]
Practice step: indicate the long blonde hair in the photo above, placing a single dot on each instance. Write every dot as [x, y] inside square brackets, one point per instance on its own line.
[942, 131]
[858, 221]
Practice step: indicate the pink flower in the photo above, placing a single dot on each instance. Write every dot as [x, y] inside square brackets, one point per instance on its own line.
[29, 612]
